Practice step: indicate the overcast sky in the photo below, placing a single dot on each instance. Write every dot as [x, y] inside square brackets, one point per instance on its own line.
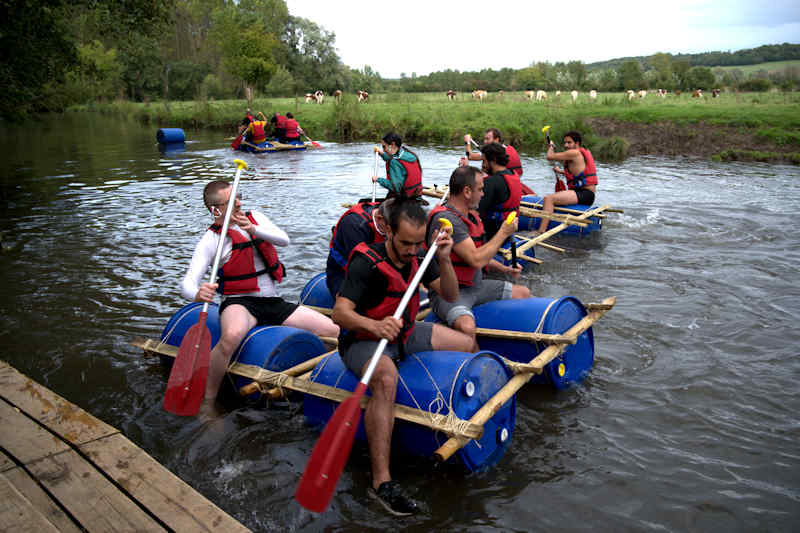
[425, 36]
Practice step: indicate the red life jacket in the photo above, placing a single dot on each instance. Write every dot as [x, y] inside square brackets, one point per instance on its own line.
[238, 275]
[464, 272]
[514, 162]
[412, 186]
[249, 117]
[587, 177]
[291, 129]
[280, 122]
[396, 288]
[364, 211]
[259, 135]
[514, 194]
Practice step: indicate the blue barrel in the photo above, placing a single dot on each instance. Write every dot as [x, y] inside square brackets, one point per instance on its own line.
[461, 380]
[170, 135]
[272, 347]
[316, 293]
[532, 223]
[542, 315]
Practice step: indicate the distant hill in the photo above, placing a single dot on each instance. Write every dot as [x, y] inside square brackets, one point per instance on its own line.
[748, 56]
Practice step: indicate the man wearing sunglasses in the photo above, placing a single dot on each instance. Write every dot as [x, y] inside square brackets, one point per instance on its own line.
[250, 270]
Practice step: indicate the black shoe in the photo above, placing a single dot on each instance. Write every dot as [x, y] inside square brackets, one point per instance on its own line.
[392, 496]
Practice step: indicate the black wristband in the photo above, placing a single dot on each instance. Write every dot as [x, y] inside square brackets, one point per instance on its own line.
[467, 152]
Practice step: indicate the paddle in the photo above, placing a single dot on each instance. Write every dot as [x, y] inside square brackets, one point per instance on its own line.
[315, 144]
[187, 380]
[333, 447]
[238, 140]
[546, 131]
[375, 183]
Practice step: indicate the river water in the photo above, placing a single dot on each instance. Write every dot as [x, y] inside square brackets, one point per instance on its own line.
[688, 422]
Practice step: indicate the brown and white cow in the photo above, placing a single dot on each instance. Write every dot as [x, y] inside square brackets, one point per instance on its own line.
[662, 93]
[311, 98]
[337, 94]
[451, 95]
[715, 93]
[479, 94]
[642, 93]
[698, 93]
[541, 95]
[363, 96]
[320, 96]
[530, 94]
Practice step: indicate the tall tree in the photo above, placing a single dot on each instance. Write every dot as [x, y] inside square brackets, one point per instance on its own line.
[630, 75]
[311, 55]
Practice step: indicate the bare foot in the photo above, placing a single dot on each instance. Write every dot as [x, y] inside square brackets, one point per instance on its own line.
[208, 411]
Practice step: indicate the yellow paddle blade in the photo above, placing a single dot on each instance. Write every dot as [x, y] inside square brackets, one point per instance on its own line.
[241, 164]
[445, 224]
[545, 129]
[511, 217]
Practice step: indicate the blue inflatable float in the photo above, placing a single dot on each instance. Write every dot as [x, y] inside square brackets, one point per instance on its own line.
[459, 381]
[532, 223]
[274, 348]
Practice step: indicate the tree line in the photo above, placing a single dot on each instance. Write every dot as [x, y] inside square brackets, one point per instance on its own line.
[55, 53]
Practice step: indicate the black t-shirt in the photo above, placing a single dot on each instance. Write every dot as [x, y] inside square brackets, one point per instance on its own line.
[495, 193]
[352, 230]
[365, 285]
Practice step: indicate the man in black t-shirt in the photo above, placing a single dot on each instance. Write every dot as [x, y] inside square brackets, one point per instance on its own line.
[502, 190]
[375, 280]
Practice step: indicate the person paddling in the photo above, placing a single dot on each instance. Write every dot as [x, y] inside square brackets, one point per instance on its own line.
[293, 130]
[250, 270]
[502, 192]
[492, 135]
[472, 254]
[377, 277]
[580, 172]
[403, 170]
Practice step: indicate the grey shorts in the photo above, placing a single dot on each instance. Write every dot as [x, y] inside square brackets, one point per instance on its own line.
[489, 290]
[356, 355]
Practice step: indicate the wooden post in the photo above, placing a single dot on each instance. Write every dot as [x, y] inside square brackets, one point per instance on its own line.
[514, 384]
[557, 229]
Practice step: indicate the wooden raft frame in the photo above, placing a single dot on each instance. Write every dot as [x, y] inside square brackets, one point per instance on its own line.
[297, 379]
[61, 469]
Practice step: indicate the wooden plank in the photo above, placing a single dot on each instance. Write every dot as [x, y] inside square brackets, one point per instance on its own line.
[96, 503]
[5, 463]
[24, 439]
[163, 493]
[41, 500]
[18, 514]
[64, 418]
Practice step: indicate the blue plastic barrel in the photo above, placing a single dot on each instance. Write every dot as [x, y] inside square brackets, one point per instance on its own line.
[461, 380]
[532, 223]
[170, 135]
[542, 315]
[272, 347]
[316, 293]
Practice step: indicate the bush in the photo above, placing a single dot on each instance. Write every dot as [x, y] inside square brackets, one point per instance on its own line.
[211, 88]
[757, 85]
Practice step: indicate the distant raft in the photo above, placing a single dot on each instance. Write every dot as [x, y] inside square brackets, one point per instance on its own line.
[272, 146]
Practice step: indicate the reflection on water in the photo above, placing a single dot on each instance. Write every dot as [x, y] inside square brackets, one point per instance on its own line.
[687, 422]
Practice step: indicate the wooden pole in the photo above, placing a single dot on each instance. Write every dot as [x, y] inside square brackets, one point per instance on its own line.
[514, 384]
[557, 229]
[525, 336]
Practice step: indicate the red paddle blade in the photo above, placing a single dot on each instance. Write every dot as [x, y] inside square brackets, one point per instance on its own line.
[526, 189]
[236, 142]
[187, 380]
[330, 454]
[315, 144]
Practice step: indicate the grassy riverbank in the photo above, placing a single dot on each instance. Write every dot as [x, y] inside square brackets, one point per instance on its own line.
[735, 126]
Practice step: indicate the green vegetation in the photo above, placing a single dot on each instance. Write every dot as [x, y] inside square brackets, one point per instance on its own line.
[769, 120]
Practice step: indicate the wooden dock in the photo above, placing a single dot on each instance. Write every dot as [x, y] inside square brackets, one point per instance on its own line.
[61, 469]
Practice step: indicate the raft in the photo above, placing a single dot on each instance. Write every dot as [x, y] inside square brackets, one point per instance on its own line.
[275, 348]
[272, 146]
[445, 382]
[531, 223]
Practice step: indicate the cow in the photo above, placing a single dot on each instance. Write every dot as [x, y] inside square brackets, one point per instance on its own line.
[715, 93]
[337, 94]
[363, 96]
[320, 96]
[311, 98]
[451, 94]
[631, 94]
[541, 95]
[574, 94]
[698, 93]
[677, 92]
[592, 95]
[529, 95]
[662, 93]
[479, 94]
[558, 94]
[642, 93]
[500, 93]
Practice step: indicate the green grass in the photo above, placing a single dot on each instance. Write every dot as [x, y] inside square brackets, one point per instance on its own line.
[772, 66]
[430, 118]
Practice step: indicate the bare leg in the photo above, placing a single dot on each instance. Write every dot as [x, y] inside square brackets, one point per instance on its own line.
[379, 418]
[551, 200]
[466, 324]
[520, 291]
[235, 322]
[444, 338]
[310, 320]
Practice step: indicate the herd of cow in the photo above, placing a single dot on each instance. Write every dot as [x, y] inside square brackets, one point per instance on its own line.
[480, 95]
[318, 97]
